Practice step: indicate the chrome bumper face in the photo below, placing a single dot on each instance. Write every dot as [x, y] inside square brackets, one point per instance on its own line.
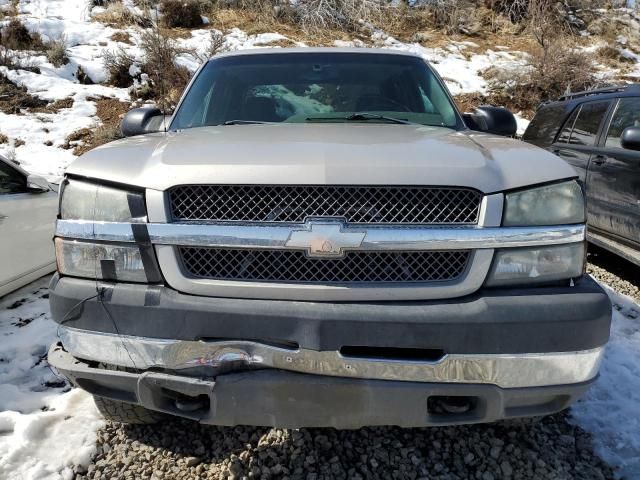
[503, 370]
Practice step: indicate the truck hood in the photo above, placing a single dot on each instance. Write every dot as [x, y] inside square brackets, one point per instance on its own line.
[322, 154]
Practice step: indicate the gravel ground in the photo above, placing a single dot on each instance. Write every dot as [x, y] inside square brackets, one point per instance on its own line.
[178, 449]
[622, 276]
[551, 449]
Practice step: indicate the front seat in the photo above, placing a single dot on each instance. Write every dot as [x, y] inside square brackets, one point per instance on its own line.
[262, 109]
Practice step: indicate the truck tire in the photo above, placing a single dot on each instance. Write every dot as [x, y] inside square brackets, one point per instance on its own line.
[123, 412]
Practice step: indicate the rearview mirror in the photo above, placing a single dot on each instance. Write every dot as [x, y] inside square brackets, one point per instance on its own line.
[630, 138]
[143, 120]
[37, 184]
[496, 120]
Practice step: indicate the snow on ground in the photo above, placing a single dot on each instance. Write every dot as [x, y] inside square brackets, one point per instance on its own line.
[46, 428]
[610, 409]
[43, 134]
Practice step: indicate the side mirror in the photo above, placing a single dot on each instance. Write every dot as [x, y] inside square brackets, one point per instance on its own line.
[630, 138]
[37, 184]
[496, 120]
[143, 120]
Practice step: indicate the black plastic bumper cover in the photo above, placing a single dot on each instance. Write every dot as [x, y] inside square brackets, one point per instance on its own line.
[533, 320]
[283, 399]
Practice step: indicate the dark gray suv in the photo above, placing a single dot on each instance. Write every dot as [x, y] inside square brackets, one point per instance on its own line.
[598, 133]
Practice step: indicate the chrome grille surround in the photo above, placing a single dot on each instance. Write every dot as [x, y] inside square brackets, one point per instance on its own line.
[356, 204]
[167, 236]
[294, 266]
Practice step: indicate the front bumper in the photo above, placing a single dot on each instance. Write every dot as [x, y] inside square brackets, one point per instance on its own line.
[509, 352]
[498, 321]
[284, 399]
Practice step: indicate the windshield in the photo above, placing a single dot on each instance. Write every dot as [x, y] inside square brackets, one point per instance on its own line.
[316, 87]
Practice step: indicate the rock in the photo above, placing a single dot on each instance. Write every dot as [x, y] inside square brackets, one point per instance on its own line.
[506, 468]
[495, 452]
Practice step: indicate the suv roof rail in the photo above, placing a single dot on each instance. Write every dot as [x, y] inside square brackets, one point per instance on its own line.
[611, 89]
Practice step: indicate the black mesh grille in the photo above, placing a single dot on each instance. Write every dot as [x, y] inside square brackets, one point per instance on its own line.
[295, 266]
[267, 203]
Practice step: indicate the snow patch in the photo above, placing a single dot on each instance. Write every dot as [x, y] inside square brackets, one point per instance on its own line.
[609, 410]
[46, 428]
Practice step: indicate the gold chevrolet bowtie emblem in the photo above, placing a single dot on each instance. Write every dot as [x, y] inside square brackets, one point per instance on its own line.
[324, 238]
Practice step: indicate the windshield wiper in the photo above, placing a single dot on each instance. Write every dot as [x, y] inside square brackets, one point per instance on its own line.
[243, 122]
[359, 116]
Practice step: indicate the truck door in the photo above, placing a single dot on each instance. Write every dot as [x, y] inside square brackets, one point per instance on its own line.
[614, 178]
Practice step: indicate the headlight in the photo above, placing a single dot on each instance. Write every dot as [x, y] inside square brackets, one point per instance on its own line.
[537, 265]
[558, 204]
[92, 202]
[99, 260]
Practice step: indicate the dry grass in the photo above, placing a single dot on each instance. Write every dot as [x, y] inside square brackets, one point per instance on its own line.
[3, 138]
[14, 99]
[613, 57]
[60, 104]
[110, 112]
[118, 15]
[122, 37]
[253, 23]
[56, 51]
[118, 64]
[181, 13]
[16, 36]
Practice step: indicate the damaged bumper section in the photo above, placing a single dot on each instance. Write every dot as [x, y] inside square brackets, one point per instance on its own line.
[495, 354]
[286, 399]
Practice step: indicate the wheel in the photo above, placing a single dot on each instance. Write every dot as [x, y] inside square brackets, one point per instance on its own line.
[123, 412]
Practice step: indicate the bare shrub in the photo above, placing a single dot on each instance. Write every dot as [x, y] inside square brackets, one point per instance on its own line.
[453, 16]
[181, 13]
[215, 45]
[314, 15]
[555, 65]
[118, 65]
[16, 36]
[56, 51]
[514, 10]
[167, 77]
[552, 71]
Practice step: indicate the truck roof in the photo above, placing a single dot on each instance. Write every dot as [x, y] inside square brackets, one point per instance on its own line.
[307, 50]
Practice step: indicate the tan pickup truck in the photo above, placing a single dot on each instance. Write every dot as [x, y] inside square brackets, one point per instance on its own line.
[320, 238]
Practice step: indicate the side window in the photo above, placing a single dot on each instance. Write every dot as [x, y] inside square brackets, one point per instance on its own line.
[565, 134]
[585, 128]
[11, 180]
[544, 126]
[627, 114]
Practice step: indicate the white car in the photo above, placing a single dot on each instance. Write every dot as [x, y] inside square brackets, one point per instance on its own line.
[28, 209]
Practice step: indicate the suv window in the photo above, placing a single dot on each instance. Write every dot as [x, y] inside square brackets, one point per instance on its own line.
[627, 114]
[11, 180]
[544, 126]
[565, 134]
[585, 128]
